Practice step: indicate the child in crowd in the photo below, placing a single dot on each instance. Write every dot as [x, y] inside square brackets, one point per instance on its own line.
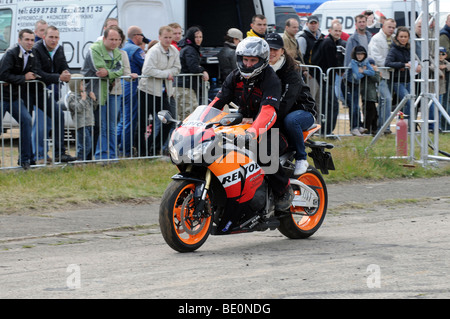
[359, 67]
[369, 98]
[81, 106]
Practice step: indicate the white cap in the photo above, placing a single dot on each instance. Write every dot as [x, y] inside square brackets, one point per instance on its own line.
[235, 33]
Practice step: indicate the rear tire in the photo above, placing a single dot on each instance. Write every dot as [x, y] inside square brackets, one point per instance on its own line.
[181, 230]
[297, 226]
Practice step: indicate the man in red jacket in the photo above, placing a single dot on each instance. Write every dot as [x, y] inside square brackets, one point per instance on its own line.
[256, 88]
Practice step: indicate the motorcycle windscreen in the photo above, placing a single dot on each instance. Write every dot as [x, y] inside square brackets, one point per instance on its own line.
[187, 138]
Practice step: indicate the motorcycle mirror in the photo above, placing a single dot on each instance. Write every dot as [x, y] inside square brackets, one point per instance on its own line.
[231, 119]
[165, 117]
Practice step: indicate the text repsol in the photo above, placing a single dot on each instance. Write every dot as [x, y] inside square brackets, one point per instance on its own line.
[235, 176]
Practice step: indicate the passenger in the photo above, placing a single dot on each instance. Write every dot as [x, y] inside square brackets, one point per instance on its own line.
[161, 65]
[258, 27]
[52, 67]
[297, 107]
[16, 67]
[81, 106]
[188, 87]
[227, 55]
[255, 87]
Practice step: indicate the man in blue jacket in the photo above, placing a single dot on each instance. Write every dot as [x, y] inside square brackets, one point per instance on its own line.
[128, 113]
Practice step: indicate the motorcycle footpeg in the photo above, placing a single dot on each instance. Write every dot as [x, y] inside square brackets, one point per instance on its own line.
[271, 224]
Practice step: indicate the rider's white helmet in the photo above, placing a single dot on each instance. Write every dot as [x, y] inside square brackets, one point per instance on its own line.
[252, 47]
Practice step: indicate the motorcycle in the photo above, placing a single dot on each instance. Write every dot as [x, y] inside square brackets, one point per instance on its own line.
[217, 176]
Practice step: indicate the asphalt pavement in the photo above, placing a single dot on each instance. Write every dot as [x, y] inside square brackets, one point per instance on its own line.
[110, 217]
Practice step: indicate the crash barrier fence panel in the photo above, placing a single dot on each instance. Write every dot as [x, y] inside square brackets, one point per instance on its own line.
[124, 127]
[343, 105]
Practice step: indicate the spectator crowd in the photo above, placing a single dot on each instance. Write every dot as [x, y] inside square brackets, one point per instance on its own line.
[126, 79]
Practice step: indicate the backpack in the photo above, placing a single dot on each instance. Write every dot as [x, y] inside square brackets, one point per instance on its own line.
[316, 53]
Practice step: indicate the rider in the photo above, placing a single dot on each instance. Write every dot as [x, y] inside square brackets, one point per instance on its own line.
[256, 88]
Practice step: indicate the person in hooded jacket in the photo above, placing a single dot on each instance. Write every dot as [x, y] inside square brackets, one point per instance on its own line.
[359, 67]
[187, 91]
[297, 107]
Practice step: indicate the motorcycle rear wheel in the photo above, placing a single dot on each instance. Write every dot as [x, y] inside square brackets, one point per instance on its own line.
[181, 230]
[304, 222]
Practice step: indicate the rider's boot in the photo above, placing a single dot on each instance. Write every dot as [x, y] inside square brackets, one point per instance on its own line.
[283, 202]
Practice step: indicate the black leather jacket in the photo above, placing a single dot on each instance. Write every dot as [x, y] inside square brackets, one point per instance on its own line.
[12, 71]
[49, 69]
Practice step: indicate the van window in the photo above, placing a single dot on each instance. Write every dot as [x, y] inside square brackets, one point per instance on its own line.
[400, 18]
[281, 15]
[232, 14]
[5, 29]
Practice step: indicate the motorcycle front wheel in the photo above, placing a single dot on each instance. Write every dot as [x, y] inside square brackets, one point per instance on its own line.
[304, 222]
[182, 228]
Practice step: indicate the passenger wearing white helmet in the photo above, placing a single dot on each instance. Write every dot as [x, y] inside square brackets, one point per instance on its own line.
[256, 89]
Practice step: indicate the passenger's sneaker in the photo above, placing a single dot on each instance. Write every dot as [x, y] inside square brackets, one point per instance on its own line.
[356, 132]
[283, 202]
[301, 166]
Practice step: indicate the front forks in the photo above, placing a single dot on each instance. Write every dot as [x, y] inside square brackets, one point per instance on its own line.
[201, 191]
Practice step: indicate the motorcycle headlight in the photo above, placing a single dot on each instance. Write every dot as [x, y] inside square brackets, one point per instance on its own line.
[196, 154]
[173, 152]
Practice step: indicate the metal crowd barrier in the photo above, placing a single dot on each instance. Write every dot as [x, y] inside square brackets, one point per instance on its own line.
[125, 127]
[375, 98]
[134, 131]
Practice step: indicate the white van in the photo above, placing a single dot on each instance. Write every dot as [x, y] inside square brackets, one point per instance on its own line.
[444, 11]
[346, 10]
[81, 21]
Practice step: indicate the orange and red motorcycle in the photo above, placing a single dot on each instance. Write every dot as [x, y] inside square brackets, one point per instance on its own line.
[216, 176]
